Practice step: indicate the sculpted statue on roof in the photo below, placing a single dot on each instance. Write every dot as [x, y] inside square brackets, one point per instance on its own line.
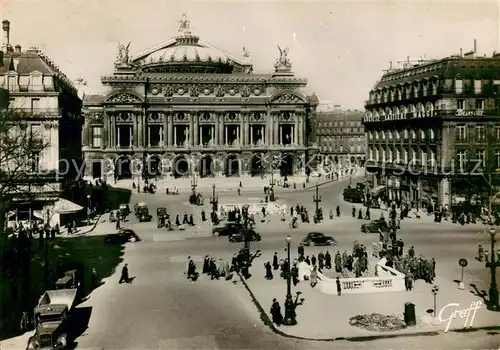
[123, 54]
[184, 25]
[283, 62]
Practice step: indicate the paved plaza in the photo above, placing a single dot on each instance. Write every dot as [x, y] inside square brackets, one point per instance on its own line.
[161, 309]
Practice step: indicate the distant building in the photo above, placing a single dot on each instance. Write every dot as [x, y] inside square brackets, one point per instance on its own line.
[424, 125]
[49, 103]
[341, 137]
[186, 107]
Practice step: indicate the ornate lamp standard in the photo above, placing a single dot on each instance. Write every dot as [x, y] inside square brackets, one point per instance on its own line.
[290, 305]
[88, 210]
[214, 200]
[194, 183]
[493, 305]
[317, 200]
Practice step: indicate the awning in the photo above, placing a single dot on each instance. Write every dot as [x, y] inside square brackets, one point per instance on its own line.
[64, 206]
[377, 189]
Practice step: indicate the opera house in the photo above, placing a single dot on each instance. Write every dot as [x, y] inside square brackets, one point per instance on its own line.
[186, 106]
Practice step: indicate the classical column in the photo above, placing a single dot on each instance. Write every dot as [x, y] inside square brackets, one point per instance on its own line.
[197, 132]
[170, 130]
[295, 132]
[149, 136]
[221, 130]
[85, 135]
[162, 135]
[225, 135]
[113, 131]
[215, 135]
[281, 134]
[263, 134]
[131, 135]
[241, 130]
[301, 131]
[138, 133]
[269, 128]
[276, 128]
[191, 129]
[118, 137]
[175, 135]
[105, 130]
[251, 135]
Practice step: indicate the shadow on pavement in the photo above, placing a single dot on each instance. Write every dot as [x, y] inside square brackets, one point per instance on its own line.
[80, 322]
[482, 294]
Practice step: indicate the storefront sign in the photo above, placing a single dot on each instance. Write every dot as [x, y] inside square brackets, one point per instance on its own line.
[475, 113]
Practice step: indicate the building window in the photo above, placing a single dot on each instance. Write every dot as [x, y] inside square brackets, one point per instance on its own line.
[461, 159]
[497, 132]
[459, 86]
[405, 134]
[413, 135]
[478, 86]
[422, 134]
[376, 135]
[434, 88]
[497, 158]
[432, 158]
[479, 104]
[461, 132]
[398, 156]
[480, 156]
[383, 135]
[431, 134]
[35, 104]
[405, 156]
[461, 104]
[96, 137]
[423, 158]
[389, 154]
[389, 135]
[480, 134]
[398, 136]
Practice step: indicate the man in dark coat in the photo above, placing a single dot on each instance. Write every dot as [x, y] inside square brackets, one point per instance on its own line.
[313, 260]
[360, 215]
[206, 264]
[124, 277]
[353, 212]
[234, 263]
[177, 220]
[269, 271]
[307, 260]
[339, 286]
[338, 210]
[276, 264]
[203, 215]
[213, 270]
[300, 250]
[321, 260]
[185, 219]
[191, 220]
[276, 313]
[338, 262]
[328, 260]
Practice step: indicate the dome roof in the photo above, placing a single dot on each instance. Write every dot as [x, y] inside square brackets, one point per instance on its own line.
[186, 53]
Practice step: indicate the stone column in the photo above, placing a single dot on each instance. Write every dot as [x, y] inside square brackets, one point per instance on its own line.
[276, 128]
[138, 131]
[191, 129]
[175, 136]
[251, 135]
[221, 130]
[85, 135]
[105, 131]
[170, 136]
[196, 131]
[225, 135]
[149, 137]
[269, 128]
[263, 134]
[215, 134]
[241, 131]
[296, 131]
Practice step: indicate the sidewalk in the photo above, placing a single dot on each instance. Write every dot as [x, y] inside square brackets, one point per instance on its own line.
[323, 316]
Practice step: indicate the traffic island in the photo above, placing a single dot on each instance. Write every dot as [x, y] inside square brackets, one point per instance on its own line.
[328, 317]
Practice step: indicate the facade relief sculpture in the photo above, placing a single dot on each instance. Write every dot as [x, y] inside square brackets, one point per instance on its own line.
[124, 98]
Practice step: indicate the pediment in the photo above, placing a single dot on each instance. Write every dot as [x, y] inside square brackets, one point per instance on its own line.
[288, 98]
[124, 98]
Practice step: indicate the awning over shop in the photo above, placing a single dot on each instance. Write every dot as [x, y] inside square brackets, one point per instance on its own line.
[375, 191]
[64, 206]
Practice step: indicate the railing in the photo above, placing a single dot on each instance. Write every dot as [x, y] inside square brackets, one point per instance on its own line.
[38, 111]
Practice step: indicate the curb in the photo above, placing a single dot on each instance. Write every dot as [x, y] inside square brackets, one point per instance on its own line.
[267, 322]
[93, 226]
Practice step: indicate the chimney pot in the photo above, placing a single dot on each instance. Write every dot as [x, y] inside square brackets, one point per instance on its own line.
[6, 30]
[18, 48]
[5, 24]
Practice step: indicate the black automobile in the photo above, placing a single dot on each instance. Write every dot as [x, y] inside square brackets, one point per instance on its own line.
[240, 236]
[317, 238]
[228, 229]
[375, 226]
[121, 237]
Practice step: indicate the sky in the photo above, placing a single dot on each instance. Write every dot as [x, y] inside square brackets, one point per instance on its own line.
[341, 47]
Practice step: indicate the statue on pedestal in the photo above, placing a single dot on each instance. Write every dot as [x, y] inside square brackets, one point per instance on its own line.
[122, 58]
[283, 63]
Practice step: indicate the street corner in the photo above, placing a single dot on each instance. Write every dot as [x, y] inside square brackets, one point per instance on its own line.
[16, 343]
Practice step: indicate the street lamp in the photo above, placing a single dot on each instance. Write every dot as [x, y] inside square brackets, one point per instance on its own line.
[289, 303]
[214, 200]
[88, 210]
[434, 291]
[493, 305]
[193, 183]
[317, 200]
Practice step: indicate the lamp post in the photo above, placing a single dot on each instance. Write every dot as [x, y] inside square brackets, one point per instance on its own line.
[88, 210]
[434, 291]
[493, 305]
[290, 315]
[317, 200]
[214, 200]
[194, 183]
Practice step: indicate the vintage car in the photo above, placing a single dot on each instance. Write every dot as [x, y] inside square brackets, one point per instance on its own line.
[161, 216]
[123, 211]
[141, 212]
[375, 226]
[228, 229]
[240, 236]
[121, 237]
[318, 238]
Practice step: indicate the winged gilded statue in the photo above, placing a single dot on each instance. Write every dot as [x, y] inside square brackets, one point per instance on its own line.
[283, 61]
[123, 53]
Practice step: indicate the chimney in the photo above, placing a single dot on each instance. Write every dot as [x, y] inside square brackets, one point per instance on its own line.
[6, 38]
[18, 48]
[390, 65]
[461, 52]
[475, 45]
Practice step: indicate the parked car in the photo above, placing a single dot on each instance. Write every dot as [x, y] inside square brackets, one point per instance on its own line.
[228, 229]
[240, 236]
[318, 238]
[121, 237]
[123, 211]
[141, 212]
[375, 226]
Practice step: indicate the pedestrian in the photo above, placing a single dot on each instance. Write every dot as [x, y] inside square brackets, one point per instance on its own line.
[411, 252]
[291, 211]
[206, 264]
[276, 265]
[203, 215]
[124, 276]
[360, 215]
[328, 260]
[269, 271]
[353, 212]
[300, 250]
[314, 277]
[307, 260]
[177, 220]
[25, 324]
[191, 220]
[313, 260]
[185, 219]
[339, 286]
[117, 223]
[338, 210]
[321, 261]
[276, 313]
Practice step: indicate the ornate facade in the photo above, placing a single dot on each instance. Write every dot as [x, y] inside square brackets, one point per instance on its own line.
[49, 104]
[427, 123]
[185, 106]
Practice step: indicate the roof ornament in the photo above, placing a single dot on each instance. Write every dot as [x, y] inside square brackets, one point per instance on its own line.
[122, 58]
[246, 53]
[184, 26]
[283, 63]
